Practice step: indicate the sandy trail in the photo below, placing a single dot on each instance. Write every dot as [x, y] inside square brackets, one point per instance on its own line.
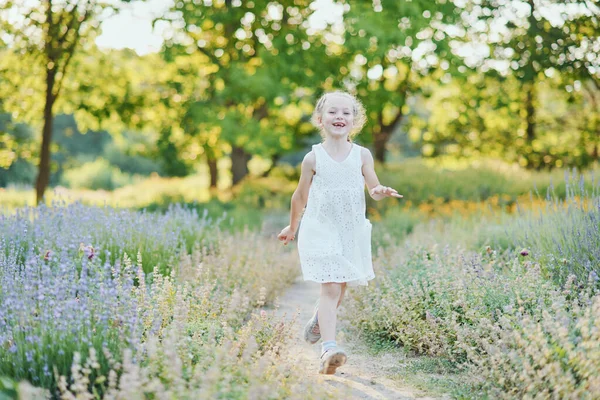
[363, 376]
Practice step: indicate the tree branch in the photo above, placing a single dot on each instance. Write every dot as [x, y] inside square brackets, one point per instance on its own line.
[50, 26]
[208, 54]
[71, 49]
[595, 81]
[61, 39]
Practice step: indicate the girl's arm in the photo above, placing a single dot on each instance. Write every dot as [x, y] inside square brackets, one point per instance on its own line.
[299, 198]
[376, 190]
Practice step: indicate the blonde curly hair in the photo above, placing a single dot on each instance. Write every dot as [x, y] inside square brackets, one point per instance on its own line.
[358, 110]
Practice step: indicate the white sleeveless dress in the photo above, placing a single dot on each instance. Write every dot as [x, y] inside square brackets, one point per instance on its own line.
[334, 239]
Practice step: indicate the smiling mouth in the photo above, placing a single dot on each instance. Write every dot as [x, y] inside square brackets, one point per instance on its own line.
[339, 124]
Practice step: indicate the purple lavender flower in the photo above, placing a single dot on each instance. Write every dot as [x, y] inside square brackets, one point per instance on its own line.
[58, 296]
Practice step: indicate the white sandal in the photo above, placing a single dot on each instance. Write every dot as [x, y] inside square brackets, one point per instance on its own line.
[331, 360]
[310, 335]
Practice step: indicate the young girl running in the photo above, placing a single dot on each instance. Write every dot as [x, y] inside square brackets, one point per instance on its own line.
[334, 240]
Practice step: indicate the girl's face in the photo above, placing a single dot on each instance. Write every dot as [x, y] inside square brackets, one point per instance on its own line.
[337, 118]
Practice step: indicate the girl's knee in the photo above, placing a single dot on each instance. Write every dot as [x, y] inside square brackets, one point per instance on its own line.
[332, 290]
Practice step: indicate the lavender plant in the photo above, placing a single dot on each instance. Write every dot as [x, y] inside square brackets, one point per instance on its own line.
[564, 237]
[522, 319]
[107, 233]
[86, 320]
[52, 307]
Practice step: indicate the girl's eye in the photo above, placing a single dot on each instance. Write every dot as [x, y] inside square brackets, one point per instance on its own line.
[346, 113]
[331, 112]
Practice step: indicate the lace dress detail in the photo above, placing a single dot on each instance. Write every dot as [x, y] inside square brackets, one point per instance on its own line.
[334, 239]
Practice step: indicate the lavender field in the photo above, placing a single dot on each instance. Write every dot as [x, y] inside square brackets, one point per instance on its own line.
[117, 304]
[506, 306]
[99, 302]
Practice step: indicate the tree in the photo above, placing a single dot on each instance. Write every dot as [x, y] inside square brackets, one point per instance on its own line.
[50, 33]
[534, 39]
[389, 46]
[479, 116]
[255, 58]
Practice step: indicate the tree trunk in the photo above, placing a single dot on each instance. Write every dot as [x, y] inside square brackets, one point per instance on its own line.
[239, 164]
[274, 159]
[43, 177]
[212, 168]
[595, 118]
[530, 110]
[382, 135]
[380, 141]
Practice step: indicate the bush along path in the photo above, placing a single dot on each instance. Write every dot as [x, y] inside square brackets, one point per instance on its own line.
[103, 303]
[364, 376]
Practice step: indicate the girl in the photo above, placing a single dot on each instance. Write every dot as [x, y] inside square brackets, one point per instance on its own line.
[334, 241]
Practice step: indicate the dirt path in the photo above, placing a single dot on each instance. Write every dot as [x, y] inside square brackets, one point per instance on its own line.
[363, 377]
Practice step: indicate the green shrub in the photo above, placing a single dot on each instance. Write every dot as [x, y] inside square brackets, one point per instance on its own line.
[131, 164]
[464, 289]
[20, 172]
[421, 181]
[99, 174]
[394, 227]
[269, 193]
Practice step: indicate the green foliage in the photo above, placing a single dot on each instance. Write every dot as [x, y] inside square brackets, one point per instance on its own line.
[96, 175]
[168, 152]
[246, 74]
[8, 389]
[265, 193]
[481, 116]
[134, 164]
[17, 152]
[394, 227]
[421, 182]
[256, 63]
[19, 172]
[134, 152]
[72, 142]
[379, 62]
[536, 52]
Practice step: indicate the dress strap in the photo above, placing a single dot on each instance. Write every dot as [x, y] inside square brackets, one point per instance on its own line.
[358, 156]
[318, 157]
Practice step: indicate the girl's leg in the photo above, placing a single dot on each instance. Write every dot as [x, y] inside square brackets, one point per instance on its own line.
[330, 297]
[342, 294]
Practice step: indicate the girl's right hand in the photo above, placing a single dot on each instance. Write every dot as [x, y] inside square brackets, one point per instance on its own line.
[287, 234]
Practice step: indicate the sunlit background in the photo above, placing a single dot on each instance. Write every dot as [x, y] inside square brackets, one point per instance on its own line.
[149, 151]
[155, 88]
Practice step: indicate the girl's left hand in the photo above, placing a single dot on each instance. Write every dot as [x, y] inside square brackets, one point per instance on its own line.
[385, 191]
[287, 234]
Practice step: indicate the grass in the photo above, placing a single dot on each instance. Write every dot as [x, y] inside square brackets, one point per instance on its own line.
[421, 181]
[435, 376]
